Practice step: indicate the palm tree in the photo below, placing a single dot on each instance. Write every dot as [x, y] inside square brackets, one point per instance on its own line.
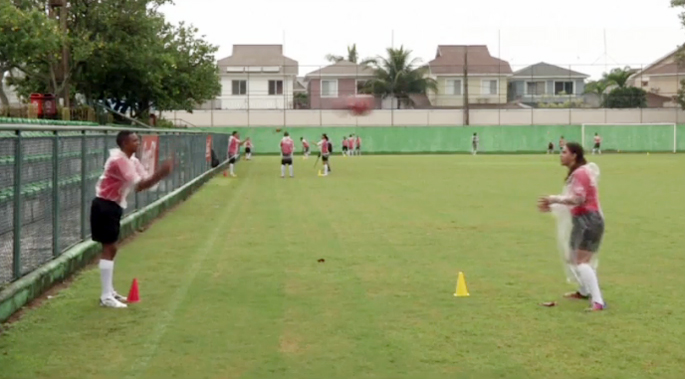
[352, 56]
[399, 76]
[618, 76]
[597, 87]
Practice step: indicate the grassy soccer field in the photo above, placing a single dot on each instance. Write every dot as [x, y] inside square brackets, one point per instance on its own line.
[231, 286]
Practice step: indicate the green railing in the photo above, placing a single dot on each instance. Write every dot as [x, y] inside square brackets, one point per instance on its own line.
[48, 174]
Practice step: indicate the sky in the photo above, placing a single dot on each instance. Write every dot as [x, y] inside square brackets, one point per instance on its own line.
[524, 32]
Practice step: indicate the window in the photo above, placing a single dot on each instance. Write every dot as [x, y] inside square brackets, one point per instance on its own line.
[239, 87]
[563, 87]
[488, 87]
[535, 88]
[329, 88]
[275, 87]
[453, 87]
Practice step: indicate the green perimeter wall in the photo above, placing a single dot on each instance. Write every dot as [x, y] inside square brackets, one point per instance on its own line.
[456, 139]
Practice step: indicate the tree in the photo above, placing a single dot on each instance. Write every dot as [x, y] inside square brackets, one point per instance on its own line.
[27, 38]
[352, 56]
[398, 76]
[618, 76]
[597, 87]
[626, 97]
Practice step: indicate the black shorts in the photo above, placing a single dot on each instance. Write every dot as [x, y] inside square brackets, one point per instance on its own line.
[232, 159]
[597, 146]
[587, 232]
[105, 221]
[344, 148]
[324, 157]
[359, 147]
[287, 160]
[248, 150]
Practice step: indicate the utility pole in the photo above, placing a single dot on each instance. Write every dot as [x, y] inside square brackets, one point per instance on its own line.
[466, 85]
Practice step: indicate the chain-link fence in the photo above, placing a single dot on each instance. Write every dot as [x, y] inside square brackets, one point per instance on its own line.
[47, 181]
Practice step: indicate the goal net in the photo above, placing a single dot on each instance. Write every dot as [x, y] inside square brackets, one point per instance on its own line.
[631, 137]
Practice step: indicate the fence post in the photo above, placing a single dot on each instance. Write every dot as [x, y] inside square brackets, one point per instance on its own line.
[17, 222]
[55, 194]
[84, 175]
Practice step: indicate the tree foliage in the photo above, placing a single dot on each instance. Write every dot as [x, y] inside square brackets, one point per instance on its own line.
[626, 97]
[352, 56]
[398, 75]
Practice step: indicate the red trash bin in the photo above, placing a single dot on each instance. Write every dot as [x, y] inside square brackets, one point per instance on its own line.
[37, 100]
[49, 106]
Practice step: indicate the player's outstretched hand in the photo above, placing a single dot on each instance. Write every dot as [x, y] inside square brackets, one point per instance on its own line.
[543, 204]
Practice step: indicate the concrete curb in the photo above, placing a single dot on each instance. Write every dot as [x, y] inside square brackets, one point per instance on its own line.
[31, 286]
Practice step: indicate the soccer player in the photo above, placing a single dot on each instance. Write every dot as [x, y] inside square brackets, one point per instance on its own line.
[287, 149]
[598, 142]
[562, 143]
[248, 148]
[359, 145]
[550, 147]
[234, 144]
[474, 144]
[344, 146]
[123, 172]
[581, 197]
[324, 148]
[305, 147]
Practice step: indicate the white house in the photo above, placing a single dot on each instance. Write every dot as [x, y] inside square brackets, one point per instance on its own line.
[257, 77]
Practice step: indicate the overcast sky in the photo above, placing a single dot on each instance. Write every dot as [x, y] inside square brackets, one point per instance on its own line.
[521, 32]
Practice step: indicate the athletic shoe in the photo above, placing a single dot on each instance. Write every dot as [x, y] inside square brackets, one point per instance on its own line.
[596, 307]
[111, 302]
[118, 297]
[576, 296]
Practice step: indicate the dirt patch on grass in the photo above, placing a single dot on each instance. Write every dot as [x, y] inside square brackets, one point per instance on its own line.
[58, 287]
[290, 344]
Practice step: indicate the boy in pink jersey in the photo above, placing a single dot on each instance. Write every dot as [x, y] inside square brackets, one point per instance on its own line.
[582, 197]
[305, 147]
[598, 143]
[325, 148]
[248, 149]
[358, 147]
[287, 150]
[345, 147]
[123, 173]
[234, 144]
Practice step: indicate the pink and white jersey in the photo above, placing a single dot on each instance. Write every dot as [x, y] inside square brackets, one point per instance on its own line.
[305, 144]
[233, 146]
[248, 144]
[581, 184]
[359, 142]
[345, 143]
[598, 139]
[287, 146]
[120, 176]
[323, 144]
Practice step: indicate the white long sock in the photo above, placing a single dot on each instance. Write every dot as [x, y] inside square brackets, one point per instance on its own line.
[292, 170]
[582, 289]
[230, 166]
[589, 278]
[282, 170]
[325, 169]
[106, 275]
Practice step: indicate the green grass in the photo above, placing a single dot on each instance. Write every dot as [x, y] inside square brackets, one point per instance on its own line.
[231, 287]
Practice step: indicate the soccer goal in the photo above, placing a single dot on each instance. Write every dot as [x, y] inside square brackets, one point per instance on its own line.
[632, 137]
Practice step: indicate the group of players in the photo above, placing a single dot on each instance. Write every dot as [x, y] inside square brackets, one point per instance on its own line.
[596, 149]
[350, 146]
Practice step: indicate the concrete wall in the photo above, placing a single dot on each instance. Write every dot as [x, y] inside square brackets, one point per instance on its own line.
[426, 117]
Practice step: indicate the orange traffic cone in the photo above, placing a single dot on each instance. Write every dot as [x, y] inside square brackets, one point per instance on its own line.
[133, 294]
[225, 174]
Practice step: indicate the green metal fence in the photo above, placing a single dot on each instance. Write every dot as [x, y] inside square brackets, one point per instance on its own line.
[47, 181]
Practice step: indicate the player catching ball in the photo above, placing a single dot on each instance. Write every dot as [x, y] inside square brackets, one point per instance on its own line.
[234, 144]
[123, 173]
[580, 198]
[287, 149]
[305, 148]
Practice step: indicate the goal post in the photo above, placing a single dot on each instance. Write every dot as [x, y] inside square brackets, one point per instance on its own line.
[632, 137]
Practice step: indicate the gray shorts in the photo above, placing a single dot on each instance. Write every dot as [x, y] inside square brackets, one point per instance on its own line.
[587, 232]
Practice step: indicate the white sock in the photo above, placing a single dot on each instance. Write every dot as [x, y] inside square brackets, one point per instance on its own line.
[582, 289]
[230, 166]
[106, 274]
[589, 278]
[292, 171]
[282, 170]
[325, 169]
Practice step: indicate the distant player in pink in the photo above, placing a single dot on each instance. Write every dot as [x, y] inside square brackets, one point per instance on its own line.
[305, 147]
[358, 147]
[345, 147]
[123, 173]
[582, 197]
[598, 145]
[287, 150]
[562, 143]
[248, 148]
[234, 144]
[324, 148]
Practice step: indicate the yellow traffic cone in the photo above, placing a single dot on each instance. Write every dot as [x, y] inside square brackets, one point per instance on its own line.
[461, 286]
